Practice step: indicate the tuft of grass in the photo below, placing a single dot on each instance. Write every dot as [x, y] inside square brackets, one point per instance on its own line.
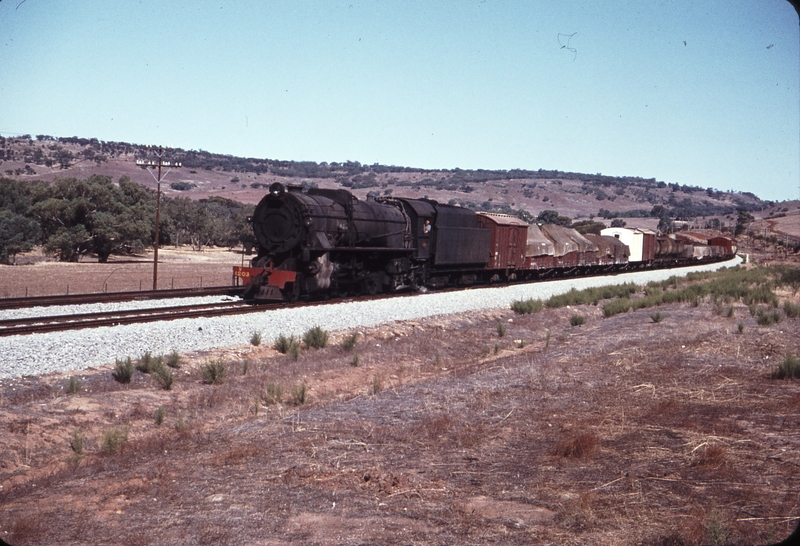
[729, 313]
[792, 310]
[161, 412]
[273, 393]
[577, 320]
[764, 318]
[245, 366]
[377, 385]
[300, 394]
[74, 384]
[788, 369]
[113, 439]
[527, 307]
[316, 337]
[501, 329]
[288, 346]
[255, 339]
[123, 370]
[616, 307]
[715, 530]
[547, 339]
[180, 424]
[657, 317]
[76, 442]
[173, 360]
[147, 363]
[349, 343]
[577, 447]
[163, 376]
[740, 326]
[213, 372]
[354, 362]
[496, 348]
[711, 457]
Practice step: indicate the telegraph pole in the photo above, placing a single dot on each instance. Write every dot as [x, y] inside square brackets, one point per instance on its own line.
[150, 164]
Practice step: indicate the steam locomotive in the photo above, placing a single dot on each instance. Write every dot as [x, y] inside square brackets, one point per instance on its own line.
[325, 242]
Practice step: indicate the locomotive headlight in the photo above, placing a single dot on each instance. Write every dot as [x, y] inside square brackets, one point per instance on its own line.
[277, 189]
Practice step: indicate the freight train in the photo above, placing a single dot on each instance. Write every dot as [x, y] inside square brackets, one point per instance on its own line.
[325, 242]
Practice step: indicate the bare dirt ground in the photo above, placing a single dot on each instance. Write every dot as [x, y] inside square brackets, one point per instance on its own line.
[620, 431]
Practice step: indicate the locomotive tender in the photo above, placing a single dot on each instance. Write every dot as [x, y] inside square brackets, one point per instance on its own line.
[327, 242]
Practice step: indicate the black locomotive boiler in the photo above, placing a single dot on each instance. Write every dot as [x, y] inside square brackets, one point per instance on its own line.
[329, 242]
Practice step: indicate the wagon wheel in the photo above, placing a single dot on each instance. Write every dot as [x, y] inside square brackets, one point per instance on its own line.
[291, 291]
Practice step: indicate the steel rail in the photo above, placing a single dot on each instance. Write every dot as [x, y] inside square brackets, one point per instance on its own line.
[35, 325]
[107, 297]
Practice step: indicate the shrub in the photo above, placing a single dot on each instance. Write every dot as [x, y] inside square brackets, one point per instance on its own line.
[74, 384]
[316, 337]
[729, 314]
[377, 385]
[657, 317]
[577, 320]
[113, 439]
[740, 326]
[123, 370]
[792, 310]
[768, 319]
[163, 376]
[213, 372]
[350, 341]
[354, 362]
[76, 442]
[789, 368]
[716, 531]
[527, 307]
[273, 393]
[173, 360]
[300, 394]
[255, 339]
[621, 305]
[180, 424]
[287, 345]
[501, 329]
[161, 412]
[147, 363]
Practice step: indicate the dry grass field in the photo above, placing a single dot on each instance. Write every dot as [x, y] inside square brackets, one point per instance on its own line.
[37, 275]
[441, 431]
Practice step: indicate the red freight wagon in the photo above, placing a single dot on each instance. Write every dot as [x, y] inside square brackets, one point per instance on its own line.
[509, 235]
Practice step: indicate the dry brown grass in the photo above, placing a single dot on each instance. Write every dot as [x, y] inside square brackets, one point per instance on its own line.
[610, 435]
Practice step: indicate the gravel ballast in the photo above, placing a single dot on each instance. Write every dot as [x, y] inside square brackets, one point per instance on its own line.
[76, 350]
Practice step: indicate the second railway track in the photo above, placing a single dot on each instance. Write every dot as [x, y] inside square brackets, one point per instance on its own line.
[57, 323]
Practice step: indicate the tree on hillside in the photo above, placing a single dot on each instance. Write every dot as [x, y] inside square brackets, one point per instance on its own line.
[552, 217]
[742, 221]
[588, 226]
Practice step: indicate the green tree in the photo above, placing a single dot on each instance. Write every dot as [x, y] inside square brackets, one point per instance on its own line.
[742, 221]
[17, 234]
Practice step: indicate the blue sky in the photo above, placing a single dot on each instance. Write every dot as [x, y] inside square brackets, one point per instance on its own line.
[704, 93]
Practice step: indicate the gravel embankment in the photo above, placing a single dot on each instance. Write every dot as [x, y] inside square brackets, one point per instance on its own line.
[76, 350]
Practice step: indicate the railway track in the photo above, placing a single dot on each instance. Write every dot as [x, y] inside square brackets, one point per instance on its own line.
[57, 323]
[109, 297]
[44, 324]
